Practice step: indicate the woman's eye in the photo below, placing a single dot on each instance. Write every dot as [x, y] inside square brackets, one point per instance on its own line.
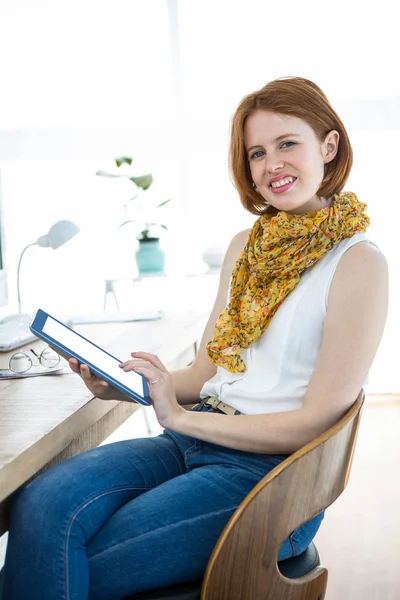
[259, 153]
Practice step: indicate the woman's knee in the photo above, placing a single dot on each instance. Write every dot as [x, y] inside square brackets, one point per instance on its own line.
[63, 483]
[39, 499]
[53, 494]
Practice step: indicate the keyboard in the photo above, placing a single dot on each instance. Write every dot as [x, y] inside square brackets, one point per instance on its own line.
[15, 332]
[116, 317]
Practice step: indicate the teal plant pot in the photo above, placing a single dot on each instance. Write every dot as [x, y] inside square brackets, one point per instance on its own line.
[150, 257]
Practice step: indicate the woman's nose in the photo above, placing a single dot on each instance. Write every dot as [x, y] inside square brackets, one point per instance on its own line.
[273, 163]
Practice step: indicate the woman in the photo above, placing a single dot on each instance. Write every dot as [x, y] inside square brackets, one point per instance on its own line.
[287, 356]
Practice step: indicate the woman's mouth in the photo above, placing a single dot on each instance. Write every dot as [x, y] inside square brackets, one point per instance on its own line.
[278, 187]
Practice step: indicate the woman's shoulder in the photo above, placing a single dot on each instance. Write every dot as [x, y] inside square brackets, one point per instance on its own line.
[353, 252]
[239, 239]
[364, 255]
[232, 253]
[363, 264]
[235, 247]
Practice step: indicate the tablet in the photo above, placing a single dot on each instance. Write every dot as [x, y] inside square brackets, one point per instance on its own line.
[73, 345]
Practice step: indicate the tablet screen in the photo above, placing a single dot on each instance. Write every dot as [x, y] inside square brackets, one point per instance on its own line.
[92, 354]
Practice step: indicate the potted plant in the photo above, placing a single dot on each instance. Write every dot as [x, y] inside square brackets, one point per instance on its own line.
[150, 257]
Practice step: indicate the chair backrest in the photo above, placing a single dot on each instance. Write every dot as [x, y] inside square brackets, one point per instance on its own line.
[244, 564]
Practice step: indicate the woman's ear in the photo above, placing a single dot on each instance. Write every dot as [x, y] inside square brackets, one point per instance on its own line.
[330, 146]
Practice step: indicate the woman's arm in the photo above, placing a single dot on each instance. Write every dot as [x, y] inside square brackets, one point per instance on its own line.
[353, 328]
[189, 380]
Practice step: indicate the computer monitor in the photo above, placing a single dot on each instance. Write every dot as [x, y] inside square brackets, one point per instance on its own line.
[3, 273]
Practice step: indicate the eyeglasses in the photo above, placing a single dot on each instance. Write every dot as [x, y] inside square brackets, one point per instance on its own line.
[20, 362]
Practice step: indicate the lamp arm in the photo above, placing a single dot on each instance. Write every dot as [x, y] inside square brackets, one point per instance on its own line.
[18, 270]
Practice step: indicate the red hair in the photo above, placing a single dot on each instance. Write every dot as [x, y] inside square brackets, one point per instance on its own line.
[296, 97]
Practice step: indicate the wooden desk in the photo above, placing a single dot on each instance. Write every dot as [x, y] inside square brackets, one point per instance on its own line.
[44, 420]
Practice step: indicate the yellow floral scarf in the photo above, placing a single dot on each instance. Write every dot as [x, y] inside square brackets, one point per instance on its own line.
[279, 248]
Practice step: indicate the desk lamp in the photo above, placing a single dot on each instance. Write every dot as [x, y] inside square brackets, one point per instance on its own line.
[58, 234]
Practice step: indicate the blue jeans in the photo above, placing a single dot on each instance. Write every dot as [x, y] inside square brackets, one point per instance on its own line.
[130, 516]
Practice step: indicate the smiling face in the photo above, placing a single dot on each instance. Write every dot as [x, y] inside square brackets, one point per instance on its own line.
[287, 160]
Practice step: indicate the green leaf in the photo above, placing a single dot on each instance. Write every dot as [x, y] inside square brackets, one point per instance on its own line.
[144, 181]
[123, 160]
[165, 227]
[165, 202]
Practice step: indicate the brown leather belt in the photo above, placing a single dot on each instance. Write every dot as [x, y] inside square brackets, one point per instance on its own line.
[214, 402]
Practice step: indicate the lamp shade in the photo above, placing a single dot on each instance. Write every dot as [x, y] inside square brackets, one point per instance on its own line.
[58, 234]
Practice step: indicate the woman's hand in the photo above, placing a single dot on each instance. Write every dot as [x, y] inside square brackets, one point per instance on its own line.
[162, 392]
[98, 387]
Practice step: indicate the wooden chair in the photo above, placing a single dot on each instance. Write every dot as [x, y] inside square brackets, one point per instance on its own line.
[243, 565]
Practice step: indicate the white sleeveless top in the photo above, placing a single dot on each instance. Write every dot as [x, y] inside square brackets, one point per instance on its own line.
[280, 363]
